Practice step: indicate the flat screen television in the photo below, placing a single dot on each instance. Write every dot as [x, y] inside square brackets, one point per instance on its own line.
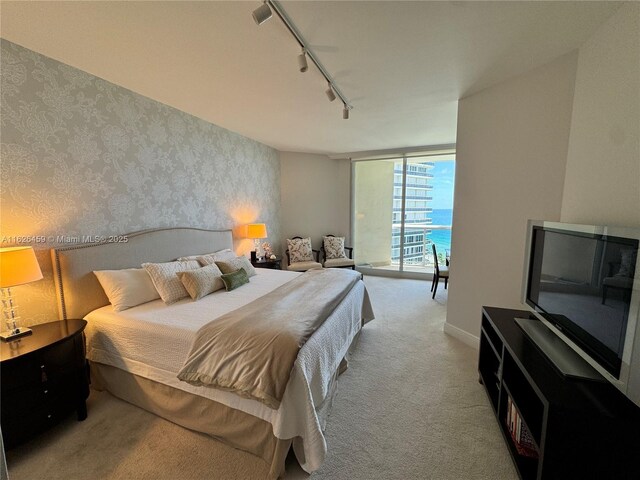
[583, 283]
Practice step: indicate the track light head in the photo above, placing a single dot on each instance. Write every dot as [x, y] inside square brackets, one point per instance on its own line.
[330, 93]
[302, 61]
[262, 13]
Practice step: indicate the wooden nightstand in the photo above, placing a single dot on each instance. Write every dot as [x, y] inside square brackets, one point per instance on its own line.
[268, 263]
[44, 378]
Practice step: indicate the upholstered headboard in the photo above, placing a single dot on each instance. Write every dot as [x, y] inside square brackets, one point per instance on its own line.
[78, 289]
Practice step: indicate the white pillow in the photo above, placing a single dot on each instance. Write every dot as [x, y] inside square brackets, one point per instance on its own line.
[190, 257]
[226, 255]
[165, 278]
[127, 288]
[202, 281]
[222, 253]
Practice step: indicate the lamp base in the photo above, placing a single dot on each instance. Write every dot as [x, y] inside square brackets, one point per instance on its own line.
[253, 256]
[9, 335]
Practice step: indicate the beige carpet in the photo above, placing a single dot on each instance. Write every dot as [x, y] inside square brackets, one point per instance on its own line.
[408, 407]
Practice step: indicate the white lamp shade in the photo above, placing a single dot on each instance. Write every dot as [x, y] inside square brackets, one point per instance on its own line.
[18, 265]
[256, 230]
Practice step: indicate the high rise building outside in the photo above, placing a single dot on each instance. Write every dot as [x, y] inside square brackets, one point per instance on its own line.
[417, 210]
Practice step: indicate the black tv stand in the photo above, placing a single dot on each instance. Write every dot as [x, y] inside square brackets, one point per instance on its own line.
[554, 426]
[561, 355]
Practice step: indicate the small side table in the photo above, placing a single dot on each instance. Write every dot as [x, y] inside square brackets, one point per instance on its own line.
[274, 264]
[44, 378]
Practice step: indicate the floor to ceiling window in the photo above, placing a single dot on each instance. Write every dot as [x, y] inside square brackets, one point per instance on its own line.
[402, 205]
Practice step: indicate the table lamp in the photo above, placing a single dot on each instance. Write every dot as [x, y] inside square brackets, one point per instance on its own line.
[256, 231]
[18, 265]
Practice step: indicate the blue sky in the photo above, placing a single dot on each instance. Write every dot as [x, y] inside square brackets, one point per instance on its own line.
[442, 181]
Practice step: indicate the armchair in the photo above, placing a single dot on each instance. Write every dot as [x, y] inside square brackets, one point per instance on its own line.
[301, 256]
[333, 253]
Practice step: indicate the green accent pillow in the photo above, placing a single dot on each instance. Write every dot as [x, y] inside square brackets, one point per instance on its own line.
[235, 279]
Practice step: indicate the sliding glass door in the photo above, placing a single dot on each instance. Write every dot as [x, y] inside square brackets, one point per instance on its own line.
[401, 205]
[373, 219]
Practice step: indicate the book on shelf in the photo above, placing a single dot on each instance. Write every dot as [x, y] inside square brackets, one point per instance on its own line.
[520, 434]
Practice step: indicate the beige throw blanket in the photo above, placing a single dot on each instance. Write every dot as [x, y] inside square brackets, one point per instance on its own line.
[251, 351]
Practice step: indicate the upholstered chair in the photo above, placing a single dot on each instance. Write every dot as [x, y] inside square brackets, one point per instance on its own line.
[301, 256]
[333, 253]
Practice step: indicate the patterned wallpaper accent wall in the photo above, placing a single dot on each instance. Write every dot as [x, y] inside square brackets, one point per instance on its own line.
[83, 157]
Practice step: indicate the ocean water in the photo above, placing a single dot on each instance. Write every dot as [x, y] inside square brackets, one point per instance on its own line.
[441, 238]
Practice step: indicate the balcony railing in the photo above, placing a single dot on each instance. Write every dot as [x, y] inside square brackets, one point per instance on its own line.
[426, 258]
[414, 185]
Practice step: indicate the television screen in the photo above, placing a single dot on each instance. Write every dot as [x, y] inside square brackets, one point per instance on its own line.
[582, 283]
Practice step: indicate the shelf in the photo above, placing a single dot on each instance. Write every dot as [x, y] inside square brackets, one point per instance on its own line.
[580, 429]
[489, 369]
[492, 336]
[527, 467]
[522, 416]
[491, 388]
[531, 407]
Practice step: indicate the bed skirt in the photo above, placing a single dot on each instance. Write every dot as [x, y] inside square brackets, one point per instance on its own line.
[231, 426]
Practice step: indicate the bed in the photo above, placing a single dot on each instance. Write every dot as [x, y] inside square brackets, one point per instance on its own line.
[136, 354]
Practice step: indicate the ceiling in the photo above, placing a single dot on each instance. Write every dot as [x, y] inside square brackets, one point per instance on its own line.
[402, 65]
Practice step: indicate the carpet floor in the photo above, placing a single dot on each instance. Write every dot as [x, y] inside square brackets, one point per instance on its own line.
[408, 407]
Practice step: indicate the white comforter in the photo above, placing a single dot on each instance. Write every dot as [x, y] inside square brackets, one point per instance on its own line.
[152, 340]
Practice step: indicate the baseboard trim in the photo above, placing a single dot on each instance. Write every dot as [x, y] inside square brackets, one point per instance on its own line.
[463, 336]
[381, 272]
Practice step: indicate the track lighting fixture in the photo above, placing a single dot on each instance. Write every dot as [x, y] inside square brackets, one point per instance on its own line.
[302, 61]
[330, 95]
[262, 13]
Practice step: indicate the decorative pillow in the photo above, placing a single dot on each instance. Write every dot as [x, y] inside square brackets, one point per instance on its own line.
[234, 264]
[219, 256]
[300, 250]
[235, 279]
[190, 257]
[627, 262]
[127, 288]
[165, 279]
[201, 282]
[334, 247]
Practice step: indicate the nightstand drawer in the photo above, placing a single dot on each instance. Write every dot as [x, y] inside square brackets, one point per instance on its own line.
[43, 377]
[21, 401]
[25, 373]
[46, 365]
[17, 428]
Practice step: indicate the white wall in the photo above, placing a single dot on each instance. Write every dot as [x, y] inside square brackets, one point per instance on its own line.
[314, 197]
[510, 163]
[602, 181]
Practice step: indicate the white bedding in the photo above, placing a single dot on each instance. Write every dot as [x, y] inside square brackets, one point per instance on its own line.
[152, 340]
